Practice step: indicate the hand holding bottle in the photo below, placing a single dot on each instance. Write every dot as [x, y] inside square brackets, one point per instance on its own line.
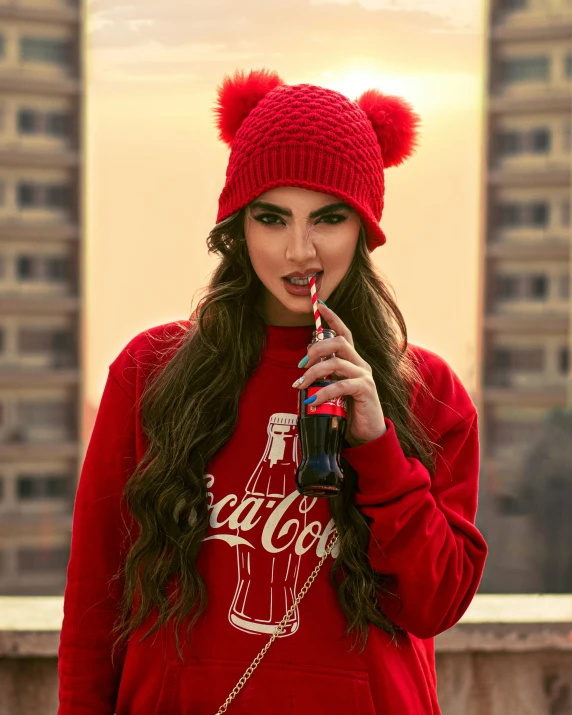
[354, 380]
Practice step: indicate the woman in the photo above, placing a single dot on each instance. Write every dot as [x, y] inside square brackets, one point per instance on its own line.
[190, 541]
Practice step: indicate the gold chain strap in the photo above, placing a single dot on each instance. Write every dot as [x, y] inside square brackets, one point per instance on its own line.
[279, 628]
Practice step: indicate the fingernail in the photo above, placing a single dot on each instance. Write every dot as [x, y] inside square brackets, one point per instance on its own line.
[298, 382]
[322, 302]
[303, 361]
[309, 400]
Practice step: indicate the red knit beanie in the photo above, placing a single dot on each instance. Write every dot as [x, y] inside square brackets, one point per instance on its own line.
[311, 137]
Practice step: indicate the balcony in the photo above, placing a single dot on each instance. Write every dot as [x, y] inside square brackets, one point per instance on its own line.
[13, 450]
[38, 377]
[543, 176]
[539, 323]
[507, 654]
[22, 230]
[547, 100]
[23, 157]
[542, 250]
[58, 12]
[20, 83]
[510, 387]
[25, 304]
[15, 525]
[545, 27]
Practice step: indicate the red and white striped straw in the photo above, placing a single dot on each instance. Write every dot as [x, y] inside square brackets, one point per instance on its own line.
[314, 295]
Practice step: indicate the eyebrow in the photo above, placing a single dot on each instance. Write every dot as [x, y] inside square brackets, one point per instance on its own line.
[286, 212]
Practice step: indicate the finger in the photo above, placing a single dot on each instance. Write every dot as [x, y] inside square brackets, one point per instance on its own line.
[335, 322]
[357, 388]
[334, 366]
[338, 346]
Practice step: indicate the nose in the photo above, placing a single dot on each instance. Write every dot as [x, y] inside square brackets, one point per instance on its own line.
[300, 247]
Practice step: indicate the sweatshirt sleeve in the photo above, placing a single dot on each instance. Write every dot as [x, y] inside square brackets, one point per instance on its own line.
[422, 529]
[88, 681]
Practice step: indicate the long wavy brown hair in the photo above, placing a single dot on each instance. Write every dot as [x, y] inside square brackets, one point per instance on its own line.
[189, 410]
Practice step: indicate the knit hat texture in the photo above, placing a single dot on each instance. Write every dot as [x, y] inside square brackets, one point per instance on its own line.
[311, 137]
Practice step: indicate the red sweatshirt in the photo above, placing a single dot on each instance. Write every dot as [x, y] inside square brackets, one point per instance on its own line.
[263, 541]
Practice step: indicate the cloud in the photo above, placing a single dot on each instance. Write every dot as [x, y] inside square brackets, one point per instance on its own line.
[171, 36]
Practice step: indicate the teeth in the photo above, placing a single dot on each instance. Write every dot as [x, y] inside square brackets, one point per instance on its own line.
[300, 281]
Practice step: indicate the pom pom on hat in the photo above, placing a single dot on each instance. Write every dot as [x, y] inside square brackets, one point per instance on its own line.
[238, 95]
[394, 122]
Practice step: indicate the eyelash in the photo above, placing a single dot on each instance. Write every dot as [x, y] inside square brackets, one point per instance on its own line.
[336, 216]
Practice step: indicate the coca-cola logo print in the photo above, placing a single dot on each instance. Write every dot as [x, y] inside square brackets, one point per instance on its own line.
[272, 527]
[337, 406]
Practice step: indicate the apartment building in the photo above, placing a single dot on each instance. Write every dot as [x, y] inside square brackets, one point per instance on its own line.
[41, 286]
[524, 328]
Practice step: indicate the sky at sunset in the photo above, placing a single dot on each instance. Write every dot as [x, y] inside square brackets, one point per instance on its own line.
[155, 167]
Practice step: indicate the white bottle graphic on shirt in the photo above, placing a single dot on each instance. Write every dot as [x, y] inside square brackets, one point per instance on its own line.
[268, 572]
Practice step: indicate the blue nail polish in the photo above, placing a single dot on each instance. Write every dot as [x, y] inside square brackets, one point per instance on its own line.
[310, 400]
[322, 302]
[303, 361]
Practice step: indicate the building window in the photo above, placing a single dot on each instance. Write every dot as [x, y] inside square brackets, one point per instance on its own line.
[505, 432]
[44, 414]
[2, 47]
[29, 121]
[54, 269]
[525, 69]
[50, 196]
[539, 141]
[44, 49]
[43, 559]
[528, 360]
[567, 135]
[33, 341]
[58, 124]
[57, 196]
[57, 269]
[31, 487]
[538, 287]
[521, 359]
[509, 215]
[564, 282]
[568, 66]
[25, 266]
[29, 195]
[2, 340]
[509, 143]
[509, 5]
[565, 213]
[507, 287]
[564, 360]
[538, 215]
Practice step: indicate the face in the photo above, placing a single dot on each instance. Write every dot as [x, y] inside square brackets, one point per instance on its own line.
[295, 231]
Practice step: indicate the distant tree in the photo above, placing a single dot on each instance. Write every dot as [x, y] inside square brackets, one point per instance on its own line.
[547, 496]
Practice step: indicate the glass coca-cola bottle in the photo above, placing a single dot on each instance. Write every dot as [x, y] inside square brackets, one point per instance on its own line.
[268, 560]
[321, 430]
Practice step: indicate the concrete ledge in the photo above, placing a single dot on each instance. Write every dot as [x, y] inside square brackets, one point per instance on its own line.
[30, 625]
[509, 655]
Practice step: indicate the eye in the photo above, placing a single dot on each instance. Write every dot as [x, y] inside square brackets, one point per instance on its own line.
[262, 218]
[334, 218]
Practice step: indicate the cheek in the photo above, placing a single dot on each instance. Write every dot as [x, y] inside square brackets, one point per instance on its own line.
[261, 255]
[338, 258]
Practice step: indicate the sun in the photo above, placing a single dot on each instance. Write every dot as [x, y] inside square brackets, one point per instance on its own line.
[428, 92]
[354, 81]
